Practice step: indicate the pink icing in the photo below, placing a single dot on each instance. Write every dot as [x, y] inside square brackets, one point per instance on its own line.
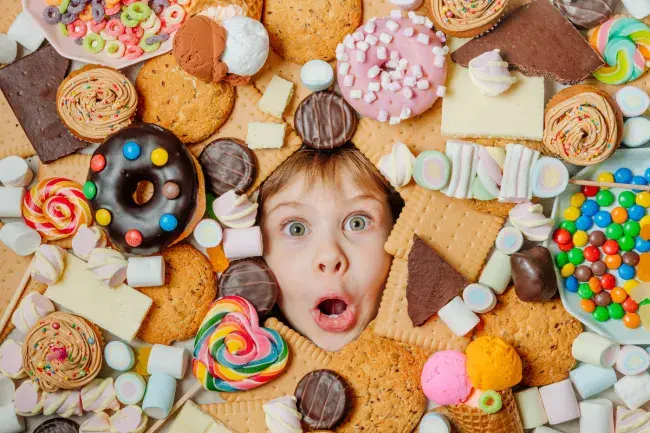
[393, 102]
[444, 378]
[11, 359]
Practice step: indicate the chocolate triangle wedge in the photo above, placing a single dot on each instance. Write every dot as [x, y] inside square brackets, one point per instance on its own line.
[431, 283]
[537, 40]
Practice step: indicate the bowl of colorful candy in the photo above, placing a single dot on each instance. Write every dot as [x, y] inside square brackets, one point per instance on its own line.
[115, 33]
[601, 248]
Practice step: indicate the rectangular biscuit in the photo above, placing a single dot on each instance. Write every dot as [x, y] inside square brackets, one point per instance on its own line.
[240, 416]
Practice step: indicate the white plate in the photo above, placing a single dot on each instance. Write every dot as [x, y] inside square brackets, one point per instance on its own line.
[636, 160]
[66, 47]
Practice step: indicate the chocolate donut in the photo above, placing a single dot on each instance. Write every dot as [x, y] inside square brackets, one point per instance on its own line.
[58, 425]
[144, 153]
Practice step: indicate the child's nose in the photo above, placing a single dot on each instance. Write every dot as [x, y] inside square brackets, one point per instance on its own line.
[331, 260]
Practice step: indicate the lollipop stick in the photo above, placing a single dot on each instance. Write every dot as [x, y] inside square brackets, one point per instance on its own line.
[181, 401]
[15, 298]
[609, 184]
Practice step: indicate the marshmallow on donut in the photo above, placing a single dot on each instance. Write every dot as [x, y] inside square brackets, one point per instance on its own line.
[394, 68]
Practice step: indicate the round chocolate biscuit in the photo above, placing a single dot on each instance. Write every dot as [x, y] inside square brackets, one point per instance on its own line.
[324, 399]
[227, 164]
[325, 121]
[58, 425]
[253, 280]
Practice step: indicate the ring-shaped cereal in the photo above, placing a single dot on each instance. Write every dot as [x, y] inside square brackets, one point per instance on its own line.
[173, 15]
[133, 52]
[490, 402]
[157, 24]
[129, 40]
[93, 43]
[390, 69]
[115, 49]
[97, 27]
[148, 23]
[113, 10]
[107, 36]
[77, 29]
[86, 14]
[170, 29]
[53, 2]
[114, 27]
[135, 31]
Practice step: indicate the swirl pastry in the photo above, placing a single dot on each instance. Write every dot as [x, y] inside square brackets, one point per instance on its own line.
[466, 19]
[62, 352]
[95, 102]
[48, 265]
[582, 125]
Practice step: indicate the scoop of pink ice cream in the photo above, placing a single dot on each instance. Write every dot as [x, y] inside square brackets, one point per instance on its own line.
[444, 378]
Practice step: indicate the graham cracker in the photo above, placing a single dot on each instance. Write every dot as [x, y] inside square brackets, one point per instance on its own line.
[245, 111]
[13, 140]
[9, 10]
[459, 234]
[240, 416]
[304, 356]
[32, 286]
[394, 322]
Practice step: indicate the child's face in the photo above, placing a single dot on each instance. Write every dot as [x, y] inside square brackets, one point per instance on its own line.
[325, 245]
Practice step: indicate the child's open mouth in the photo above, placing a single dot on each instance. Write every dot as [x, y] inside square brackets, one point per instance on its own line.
[333, 314]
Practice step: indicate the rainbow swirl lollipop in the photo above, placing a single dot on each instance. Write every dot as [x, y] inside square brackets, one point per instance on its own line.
[232, 352]
[55, 208]
[624, 43]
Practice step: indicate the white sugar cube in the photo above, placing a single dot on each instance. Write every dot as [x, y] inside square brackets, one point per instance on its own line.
[394, 121]
[382, 116]
[403, 64]
[407, 92]
[408, 32]
[423, 38]
[396, 14]
[374, 86]
[361, 56]
[396, 74]
[416, 70]
[356, 94]
[439, 61]
[374, 71]
[428, 23]
[381, 53]
[370, 27]
[422, 84]
[371, 40]
[392, 25]
[409, 81]
[344, 68]
[348, 80]
[358, 36]
[395, 86]
[370, 97]
[406, 113]
[441, 91]
[385, 38]
[343, 57]
[363, 46]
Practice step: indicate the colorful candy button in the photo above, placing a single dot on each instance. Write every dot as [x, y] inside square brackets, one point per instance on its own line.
[619, 215]
[645, 220]
[631, 228]
[605, 176]
[626, 199]
[569, 226]
[589, 191]
[588, 305]
[576, 256]
[613, 261]
[630, 305]
[565, 247]
[597, 238]
[641, 245]
[594, 285]
[584, 291]
[610, 247]
[571, 213]
[618, 294]
[614, 231]
[608, 281]
[602, 299]
[584, 222]
[90, 190]
[626, 243]
[577, 199]
[632, 320]
[133, 237]
[638, 180]
[168, 222]
[646, 174]
[629, 285]
[97, 163]
[626, 272]
[571, 284]
[561, 259]
[561, 236]
[567, 270]
[631, 258]
[616, 311]
[623, 175]
[643, 199]
[590, 207]
[592, 253]
[602, 219]
[159, 157]
[636, 212]
[580, 238]
[131, 150]
[604, 198]
[600, 314]
[103, 217]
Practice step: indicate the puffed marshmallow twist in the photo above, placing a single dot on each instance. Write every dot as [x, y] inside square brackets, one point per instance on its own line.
[232, 352]
[235, 211]
[48, 264]
[56, 208]
[282, 416]
[108, 265]
[397, 166]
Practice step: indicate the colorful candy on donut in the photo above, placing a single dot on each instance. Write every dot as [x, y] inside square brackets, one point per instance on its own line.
[145, 153]
[391, 69]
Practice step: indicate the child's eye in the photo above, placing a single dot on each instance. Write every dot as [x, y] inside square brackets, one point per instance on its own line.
[295, 229]
[356, 223]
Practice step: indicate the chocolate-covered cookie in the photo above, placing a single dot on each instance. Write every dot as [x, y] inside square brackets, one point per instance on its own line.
[324, 399]
[325, 121]
[228, 164]
[585, 14]
[533, 274]
[253, 280]
[58, 425]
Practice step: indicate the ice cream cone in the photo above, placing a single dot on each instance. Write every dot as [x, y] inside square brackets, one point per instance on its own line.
[466, 419]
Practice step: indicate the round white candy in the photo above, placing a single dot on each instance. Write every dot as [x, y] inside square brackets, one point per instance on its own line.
[434, 423]
[479, 298]
[317, 75]
[130, 388]
[550, 177]
[509, 240]
[208, 233]
[247, 45]
[632, 101]
[632, 360]
[119, 356]
[636, 131]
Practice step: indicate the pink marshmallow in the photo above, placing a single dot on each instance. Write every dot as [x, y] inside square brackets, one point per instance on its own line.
[242, 243]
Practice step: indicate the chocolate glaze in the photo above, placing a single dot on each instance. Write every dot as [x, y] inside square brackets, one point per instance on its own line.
[325, 121]
[119, 179]
[58, 425]
[253, 280]
[585, 14]
[228, 164]
[324, 399]
[533, 274]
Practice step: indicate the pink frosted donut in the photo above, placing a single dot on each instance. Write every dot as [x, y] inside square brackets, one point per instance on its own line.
[392, 68]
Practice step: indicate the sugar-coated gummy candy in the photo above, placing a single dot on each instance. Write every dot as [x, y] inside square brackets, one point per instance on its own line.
[628, 286]
[636, 212]
[626, 199]
[645, 221]
[610, 247]
[583, 273]
[569, 226]
[584, 222]
[565, 247]
[590, 207]
[601, 314]
[598, 268]
[602, 219]
[643, 268]
[571, 284]
[631, 258]
[616, 311]
[623, 175]
[577, 199]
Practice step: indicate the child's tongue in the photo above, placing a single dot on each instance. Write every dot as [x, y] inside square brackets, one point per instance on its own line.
[332, 307]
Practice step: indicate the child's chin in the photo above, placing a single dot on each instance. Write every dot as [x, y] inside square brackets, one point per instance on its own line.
[334, 341]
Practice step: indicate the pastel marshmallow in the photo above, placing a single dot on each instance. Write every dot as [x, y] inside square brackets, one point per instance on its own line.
[632, 101]
[20, 238]
[11, 360]
[14, 170]
[9, 420]
[159, 397]
[119, 356]
[242, 243]
[479, 298]
[560, 402]
[130, 388]
[589, 380]
[636, 131]
[145, 271]
[596, 416]
[11, 201]
[458, 317]
[317, 75]
[595, 349]
[434, 422]
[169, 360]
[497, 272]
[531, 408]
[632, 360]
[634, 390]
[509, 240]
[8, 49]
[26, 32]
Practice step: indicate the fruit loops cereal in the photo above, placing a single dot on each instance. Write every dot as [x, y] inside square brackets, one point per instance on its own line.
[604, 247]
[117, 28]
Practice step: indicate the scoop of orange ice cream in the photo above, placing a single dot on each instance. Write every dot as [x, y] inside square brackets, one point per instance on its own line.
[493, 364]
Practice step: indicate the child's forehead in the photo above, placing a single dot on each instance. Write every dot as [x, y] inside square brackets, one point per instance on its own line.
[342, 186]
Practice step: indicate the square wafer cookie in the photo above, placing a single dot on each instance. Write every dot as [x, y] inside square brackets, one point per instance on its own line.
[13, 140]
[304, 355]
[394, 322]
[245, 111]
[240, 416]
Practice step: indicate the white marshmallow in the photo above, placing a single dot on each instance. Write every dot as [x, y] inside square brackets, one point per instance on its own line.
[595, 349]
[373, 72]
[392, 25]
[145, 271]
[242, 243]
[634, 390]
[381, 53]
[371, 40]
[11, 201]
[8, 49]
[356, 94]
[363, 46]
[439, 61]
[423, 38]
[479, 298]
[589, 379]
[497, 272]
[458, 317]
[169, 360]
[343, 57]
[247, 45]
[407, 5]
[26, 32]
[348, 80]
[385, 38]
[639, 9]
[416, 70]
[405, 113]
[396, 14]
[19, 238]
[441, 91]
[409, 81]
[560, 402]
[370, 97]
[394, 120]
[361, 56]
[159, 397]
[409, 32]
[373, 86]
[10, 422]
[531, 409]
[357, 36]
[596, 416]
[344, 68]
[407, 92]
[382, 116]
[422, 84]
[317, 75]
[370, 27]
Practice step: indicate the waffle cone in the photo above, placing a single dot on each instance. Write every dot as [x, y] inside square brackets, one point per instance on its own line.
[467, 419]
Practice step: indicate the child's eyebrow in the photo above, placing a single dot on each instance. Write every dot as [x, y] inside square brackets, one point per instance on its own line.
[291, 204]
